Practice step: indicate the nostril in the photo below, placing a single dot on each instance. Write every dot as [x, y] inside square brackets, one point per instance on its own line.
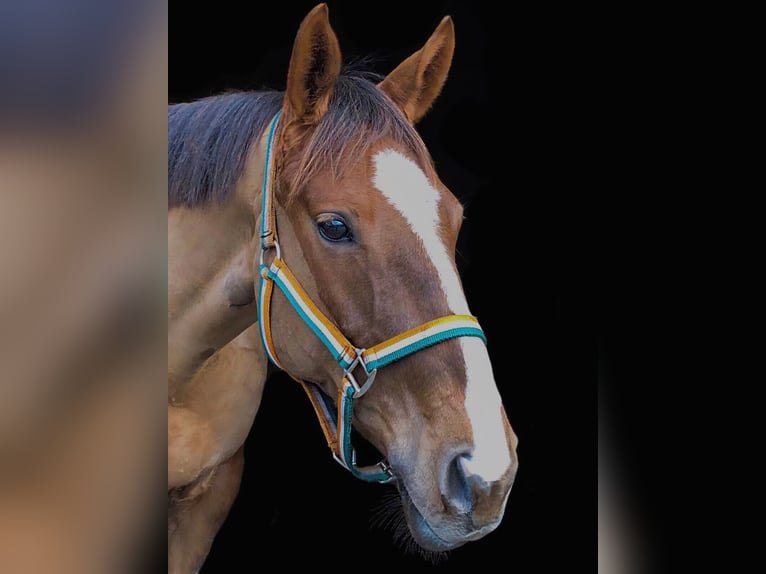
[456, 490]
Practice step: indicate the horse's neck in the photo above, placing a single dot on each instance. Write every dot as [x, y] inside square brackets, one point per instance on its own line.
[210, 283]
[213, 254]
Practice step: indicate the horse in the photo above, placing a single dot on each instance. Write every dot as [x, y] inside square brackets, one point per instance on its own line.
[309, 233]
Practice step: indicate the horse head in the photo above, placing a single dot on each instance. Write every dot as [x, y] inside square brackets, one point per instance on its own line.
[368, 232]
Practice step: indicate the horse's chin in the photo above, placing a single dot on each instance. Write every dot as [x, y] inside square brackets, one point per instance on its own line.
[422, 532]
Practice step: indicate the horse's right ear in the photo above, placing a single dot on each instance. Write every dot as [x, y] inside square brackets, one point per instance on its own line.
[314, 67]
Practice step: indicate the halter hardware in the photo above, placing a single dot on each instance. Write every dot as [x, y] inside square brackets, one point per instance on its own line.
[277, 255]
[348, 374]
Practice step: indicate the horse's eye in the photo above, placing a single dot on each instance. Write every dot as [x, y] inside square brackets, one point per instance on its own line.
[333, 228]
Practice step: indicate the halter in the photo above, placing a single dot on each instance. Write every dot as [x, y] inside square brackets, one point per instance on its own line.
[335, 420]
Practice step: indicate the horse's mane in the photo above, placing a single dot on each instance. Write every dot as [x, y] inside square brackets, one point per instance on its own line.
[209, 139]
[208, 143]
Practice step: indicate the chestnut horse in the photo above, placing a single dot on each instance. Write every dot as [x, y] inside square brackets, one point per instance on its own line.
[309, 229]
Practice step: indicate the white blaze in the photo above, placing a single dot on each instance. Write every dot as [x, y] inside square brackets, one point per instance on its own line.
[407, 188]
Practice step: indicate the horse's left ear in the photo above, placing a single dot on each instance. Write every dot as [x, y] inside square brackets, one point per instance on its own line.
[417, 81]
[314, 67]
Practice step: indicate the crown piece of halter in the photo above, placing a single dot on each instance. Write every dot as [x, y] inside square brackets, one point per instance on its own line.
[336, 420]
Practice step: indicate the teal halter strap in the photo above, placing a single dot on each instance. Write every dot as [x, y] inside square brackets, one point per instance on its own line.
[336, 420]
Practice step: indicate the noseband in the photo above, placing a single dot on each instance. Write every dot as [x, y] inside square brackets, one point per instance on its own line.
[335, 420]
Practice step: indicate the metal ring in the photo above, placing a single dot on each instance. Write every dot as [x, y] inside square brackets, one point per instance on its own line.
[265, 249]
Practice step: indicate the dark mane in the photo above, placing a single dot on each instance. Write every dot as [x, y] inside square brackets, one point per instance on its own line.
[208, 140]
[208, 143]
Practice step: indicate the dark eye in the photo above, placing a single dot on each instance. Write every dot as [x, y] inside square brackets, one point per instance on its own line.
[333, 228]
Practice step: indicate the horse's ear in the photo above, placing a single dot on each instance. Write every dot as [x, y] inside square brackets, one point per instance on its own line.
[417, 81]
[314, 67]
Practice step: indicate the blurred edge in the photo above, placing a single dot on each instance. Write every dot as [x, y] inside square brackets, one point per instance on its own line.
[83, 282]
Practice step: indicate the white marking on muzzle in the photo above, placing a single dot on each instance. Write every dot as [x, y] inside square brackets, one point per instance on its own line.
[491, 455]
[407, 188]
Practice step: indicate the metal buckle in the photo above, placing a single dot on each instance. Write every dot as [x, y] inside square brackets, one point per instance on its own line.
[347, 373]
[385, 468]
[278, 255]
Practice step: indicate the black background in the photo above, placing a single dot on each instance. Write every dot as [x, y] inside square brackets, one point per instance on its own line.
[526, 133]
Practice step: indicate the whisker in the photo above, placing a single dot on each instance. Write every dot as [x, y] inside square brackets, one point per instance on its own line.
[385, 514]
[388, 515]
